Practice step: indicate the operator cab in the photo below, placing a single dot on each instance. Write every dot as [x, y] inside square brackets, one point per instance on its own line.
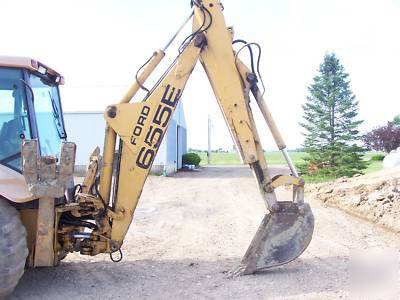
[30, 108]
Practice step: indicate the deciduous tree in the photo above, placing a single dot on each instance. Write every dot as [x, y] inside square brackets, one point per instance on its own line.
[384, 138]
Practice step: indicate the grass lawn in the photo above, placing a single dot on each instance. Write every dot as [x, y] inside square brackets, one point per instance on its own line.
[232, 158]
[276, 158]
[373, 167]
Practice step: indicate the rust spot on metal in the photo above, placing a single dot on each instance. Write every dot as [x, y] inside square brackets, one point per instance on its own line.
[48, 159]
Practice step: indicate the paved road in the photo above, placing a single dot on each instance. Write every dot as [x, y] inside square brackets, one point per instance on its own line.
[190, 229]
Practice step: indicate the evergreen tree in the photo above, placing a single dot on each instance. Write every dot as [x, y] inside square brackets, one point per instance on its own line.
[396, 120]
[331, 127]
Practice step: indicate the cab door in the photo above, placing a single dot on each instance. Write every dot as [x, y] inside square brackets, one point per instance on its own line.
[48, 115]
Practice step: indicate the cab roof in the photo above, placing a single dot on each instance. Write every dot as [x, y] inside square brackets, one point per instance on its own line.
[31, 65]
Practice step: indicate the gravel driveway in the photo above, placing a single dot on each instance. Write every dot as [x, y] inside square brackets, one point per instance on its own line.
[190, 229]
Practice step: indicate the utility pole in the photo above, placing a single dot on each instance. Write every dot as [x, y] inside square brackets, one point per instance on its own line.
[209, 141]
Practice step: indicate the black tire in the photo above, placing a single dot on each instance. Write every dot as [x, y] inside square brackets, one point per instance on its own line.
[13, 248]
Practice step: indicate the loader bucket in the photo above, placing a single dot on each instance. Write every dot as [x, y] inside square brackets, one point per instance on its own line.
[282, 236]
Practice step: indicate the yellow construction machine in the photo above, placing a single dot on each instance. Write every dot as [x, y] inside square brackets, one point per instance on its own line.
[43, 217]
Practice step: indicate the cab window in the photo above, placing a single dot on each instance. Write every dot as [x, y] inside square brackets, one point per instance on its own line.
[48, 113]
[14, 122]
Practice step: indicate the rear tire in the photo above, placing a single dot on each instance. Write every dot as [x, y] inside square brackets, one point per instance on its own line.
[13, 248]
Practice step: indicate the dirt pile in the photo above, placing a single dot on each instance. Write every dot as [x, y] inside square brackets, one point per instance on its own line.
[375, 197]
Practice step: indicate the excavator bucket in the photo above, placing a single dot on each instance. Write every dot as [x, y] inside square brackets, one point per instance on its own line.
[283, 235]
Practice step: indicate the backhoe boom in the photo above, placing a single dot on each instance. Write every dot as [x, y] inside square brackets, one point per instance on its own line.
[140, 127]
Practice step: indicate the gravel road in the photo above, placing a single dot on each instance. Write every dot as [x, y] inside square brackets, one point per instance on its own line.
[190, 229]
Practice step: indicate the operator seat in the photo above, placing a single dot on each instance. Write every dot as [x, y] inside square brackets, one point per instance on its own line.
[10, 137]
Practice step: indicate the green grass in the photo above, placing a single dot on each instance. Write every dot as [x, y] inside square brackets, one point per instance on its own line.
[374, 166]
[317, 178]
[369, 155]
[232, 158]
[276, 158]
[220, 158]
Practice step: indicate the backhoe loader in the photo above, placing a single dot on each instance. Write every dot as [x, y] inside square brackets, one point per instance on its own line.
[43, 217]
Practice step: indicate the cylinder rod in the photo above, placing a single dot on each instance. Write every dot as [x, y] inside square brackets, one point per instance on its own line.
[147, 70]
[290, 163]
[274, 129]
[177, 32]
[111, 136]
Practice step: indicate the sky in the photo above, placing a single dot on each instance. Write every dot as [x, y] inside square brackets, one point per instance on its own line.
[98, 45]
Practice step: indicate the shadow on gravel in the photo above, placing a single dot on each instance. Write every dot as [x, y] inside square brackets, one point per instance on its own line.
[172, 279]
[217, 172]
[240, 171]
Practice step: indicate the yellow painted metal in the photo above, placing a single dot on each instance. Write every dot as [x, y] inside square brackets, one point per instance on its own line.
[231, 91]
[91, 171]
[13, 186]
[141, 127]
[29, 220]
[286, 180]
[44, 247]
[110, 138]
[219, 64]
[270, 121]
[46, 180]
[150, 66]
[110, 135]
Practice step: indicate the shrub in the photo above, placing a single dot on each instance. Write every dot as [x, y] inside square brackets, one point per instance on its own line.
[377, 157]
[191, 159]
